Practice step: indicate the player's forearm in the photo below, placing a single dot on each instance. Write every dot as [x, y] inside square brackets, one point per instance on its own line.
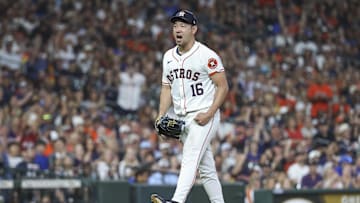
[220, 95]
[165, 100]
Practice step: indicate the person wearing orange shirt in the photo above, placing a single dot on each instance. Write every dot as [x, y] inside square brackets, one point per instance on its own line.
[319, 94]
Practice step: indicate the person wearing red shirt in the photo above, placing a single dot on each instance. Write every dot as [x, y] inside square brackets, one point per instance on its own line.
[293, 131]
[341, 106]
[319, 94]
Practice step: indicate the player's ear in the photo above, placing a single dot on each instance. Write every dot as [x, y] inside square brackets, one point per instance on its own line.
[194, 29]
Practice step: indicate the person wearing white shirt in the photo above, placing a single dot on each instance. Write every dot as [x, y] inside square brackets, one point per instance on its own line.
[298, 169]
[130, 90]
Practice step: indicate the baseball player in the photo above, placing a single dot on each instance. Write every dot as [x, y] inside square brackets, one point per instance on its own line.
[194, 82]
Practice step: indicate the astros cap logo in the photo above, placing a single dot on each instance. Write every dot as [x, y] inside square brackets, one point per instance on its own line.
[181, 13]
[185, 16]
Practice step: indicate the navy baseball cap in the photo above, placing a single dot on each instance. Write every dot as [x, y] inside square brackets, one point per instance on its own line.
[185, 16]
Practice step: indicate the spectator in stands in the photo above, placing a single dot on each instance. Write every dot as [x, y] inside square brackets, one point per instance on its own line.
[28, 168]
[166, 167]
[348, 177]
[40, 158]
[324, 135]
[357, 166]
[308, 129]
[60, 151]
[313, 179]
[293, 131]
[129, 164]
[91, 152]
[287, 184]
[69, 169]
[45, 198]
[13, 156]
[269, 183]
[344, 161]
[146, 150]
[10, 53]
[332, 180]
[78, 156]
[344, 138]
[253, 153]
[228, 159]
[254, 184]
[320, 95]
[107, 166]
[131, 87]
[298, 169]
[2, 159]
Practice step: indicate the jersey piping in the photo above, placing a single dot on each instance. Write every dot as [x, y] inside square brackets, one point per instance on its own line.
[182, 80]
[202, 147]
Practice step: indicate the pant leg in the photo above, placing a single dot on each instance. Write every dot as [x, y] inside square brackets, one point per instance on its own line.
[195, 144]
[209, 177]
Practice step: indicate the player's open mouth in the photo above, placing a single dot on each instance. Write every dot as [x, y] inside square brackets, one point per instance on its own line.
[178, 37]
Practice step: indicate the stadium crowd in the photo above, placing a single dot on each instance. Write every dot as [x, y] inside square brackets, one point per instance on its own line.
[79, 86]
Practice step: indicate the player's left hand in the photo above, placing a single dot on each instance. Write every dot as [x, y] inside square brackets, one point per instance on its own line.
[202, 118]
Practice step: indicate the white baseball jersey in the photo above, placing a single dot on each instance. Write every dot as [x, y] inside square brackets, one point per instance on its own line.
[189, 77]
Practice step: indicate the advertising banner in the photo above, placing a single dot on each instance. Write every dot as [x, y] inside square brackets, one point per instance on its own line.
[317, 198]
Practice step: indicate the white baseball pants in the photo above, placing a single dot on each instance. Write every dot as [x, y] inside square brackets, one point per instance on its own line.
[197, 155]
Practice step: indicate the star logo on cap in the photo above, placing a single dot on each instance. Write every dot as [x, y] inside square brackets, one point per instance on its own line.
[181, 13]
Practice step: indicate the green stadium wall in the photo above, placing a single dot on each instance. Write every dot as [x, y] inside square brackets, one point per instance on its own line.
[115, 192]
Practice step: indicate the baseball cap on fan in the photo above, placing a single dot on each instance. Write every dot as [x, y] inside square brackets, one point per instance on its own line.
[184, 16]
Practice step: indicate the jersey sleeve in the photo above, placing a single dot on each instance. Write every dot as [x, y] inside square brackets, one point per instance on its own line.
[165, 79]
[213, 63]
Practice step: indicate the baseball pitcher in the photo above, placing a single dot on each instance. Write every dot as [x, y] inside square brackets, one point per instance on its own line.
[194, 82]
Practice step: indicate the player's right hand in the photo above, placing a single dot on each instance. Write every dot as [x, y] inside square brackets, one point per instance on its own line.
[202, 118]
